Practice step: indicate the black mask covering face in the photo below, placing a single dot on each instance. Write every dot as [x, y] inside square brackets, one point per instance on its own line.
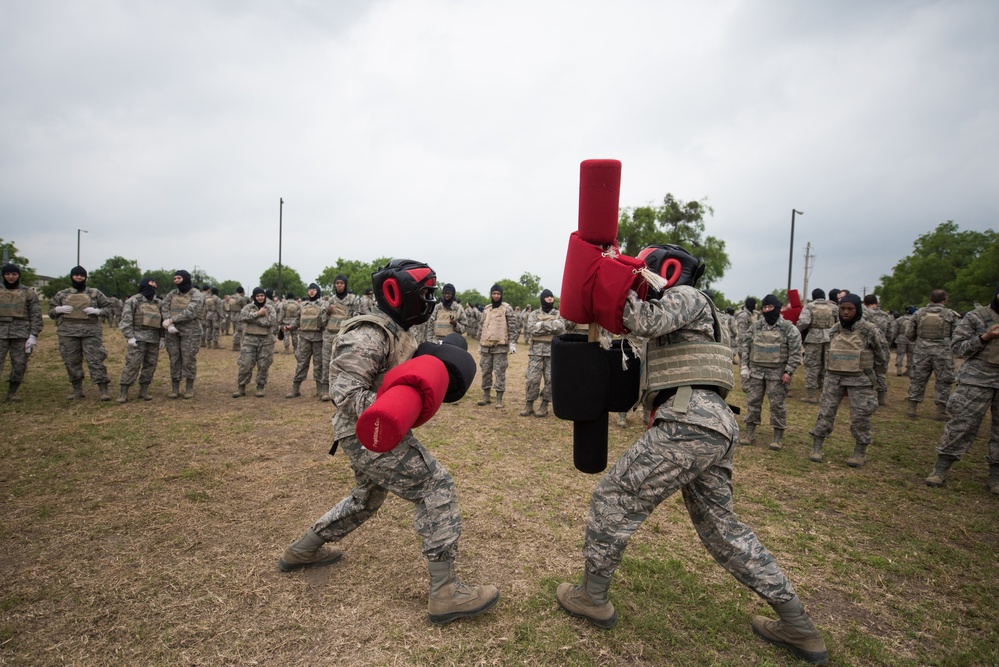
[147, 290]
[855, 300]
[10, 268]
[772, 316]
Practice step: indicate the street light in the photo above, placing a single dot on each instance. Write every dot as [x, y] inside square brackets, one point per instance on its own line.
[790, 258]
[280, 222]
[78, 244]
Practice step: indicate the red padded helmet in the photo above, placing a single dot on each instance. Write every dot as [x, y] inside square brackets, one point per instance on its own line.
[404, 290]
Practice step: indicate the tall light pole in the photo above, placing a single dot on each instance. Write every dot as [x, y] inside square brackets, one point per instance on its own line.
[790, 258]
[280, 224]
[78, 244]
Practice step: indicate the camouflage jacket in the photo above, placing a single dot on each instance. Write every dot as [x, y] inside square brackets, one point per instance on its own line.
[540, 323]
[132, 329]
[29, 323]
[251, 315]
[188, 319]
[936, 346]
[881, 320]
[80, 328]
[814, 334]
[790, 349]
[966, 343]
[459, 324]
[874, 341]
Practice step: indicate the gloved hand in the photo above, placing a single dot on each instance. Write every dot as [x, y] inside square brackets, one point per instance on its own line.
[409, 396]
[167, 323]
[29, 344]
[132, 342]
[162, 343]
[459, 364]
[92, 311]
[172, 329]
[63, 310]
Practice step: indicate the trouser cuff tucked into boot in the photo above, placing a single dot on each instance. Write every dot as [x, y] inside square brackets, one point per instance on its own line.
[794, 631]
[308, 551]
[450, 599]
[589, 600]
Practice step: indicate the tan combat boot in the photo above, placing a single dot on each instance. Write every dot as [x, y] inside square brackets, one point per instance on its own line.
[450, 599]
[913, 407]
[811, 396]
[816, 455]
[308, 551]
[260, 391]
[296, 390]
[103, 387]
[589, 600]
[542, 411]
[778, 442]
[189, 390]
[123, 394]
[174, 389]
[939, 475]
[859, 457]
[993, 481]
[12, 396]
[942, 415]
[499, 400]
[239, 393]
[748, 435]
[144, 392]
[528, 409]
[485, 400]
[77, 391]
[794, 631]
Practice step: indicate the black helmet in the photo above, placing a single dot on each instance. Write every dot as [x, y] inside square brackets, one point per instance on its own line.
[674, 264]
[404, 290]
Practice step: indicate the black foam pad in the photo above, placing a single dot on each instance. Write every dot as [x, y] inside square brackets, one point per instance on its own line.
[460, 367]
[580, 378]
[589, 445]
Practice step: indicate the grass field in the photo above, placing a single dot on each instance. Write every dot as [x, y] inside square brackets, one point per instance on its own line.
[148, 534]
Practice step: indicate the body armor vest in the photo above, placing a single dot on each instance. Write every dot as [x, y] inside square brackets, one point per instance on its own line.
[251, 327]
[494, 330]
[442, 323]
[991, 347]
[210, 306]
[179, 303]
[822, 315]
[79, 301]
[848, 353]
[14, 303]
[149, 315]
[310, 316]
[769, 350]
[235, 305]
[932, 326]
[544, 317]
[291, 309]
[402, 345]
[340, 313]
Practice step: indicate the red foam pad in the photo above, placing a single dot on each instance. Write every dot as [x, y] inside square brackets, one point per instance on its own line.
[383, 425]
[595, 287]
[427, 375]
[599, 194]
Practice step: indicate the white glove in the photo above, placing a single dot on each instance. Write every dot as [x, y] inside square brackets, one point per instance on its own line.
[162, 343]
[167, 323]
[132, 342]
[92, 311]
[62, 310]
[29, 345]
[513, 348]
[172, 329]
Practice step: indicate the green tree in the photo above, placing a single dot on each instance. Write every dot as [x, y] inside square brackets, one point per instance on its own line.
[116, 277]
[358, 274]
[11, 254]
[228, 287]
[677, 222]
[54, 286]
[290, 280]
[977, 283]
[472, 296]
[163, 279]
[938, 260]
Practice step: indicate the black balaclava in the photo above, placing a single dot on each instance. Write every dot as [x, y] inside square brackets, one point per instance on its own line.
[206, 288]
[855, 300]
[11, 268]
[319, 292]
[730, 310]
[774, 315]
[338, 295]
[995, 300]
[78, 271]
[253, 296]
[834, 295]
[147, 290]
[492, 302]
[185, 286]
[818, 294]
[269, 293]
[445, 298]
[239, 290]
[545, 306]
[215, 291]
[290, 296]
[750, 304]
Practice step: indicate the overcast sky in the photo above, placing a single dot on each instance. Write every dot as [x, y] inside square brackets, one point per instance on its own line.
[452, 131]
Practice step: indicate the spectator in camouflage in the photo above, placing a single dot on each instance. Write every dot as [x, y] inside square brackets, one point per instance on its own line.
[499, 329]
[181, 310]
[77, 311]
[142, 326]
[340, 307]
[815, 322]
[20, 326]
[309, 328]
[903, 347]
[236, 303]
[542, 325]
[929, 330]
[259, 317]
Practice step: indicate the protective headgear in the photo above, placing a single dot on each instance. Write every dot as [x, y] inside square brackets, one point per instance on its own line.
[834, 294]
[545, 306]
[404, 290]
[447, 294]
[146, 289]
[818, 294]
[185, 285]
[206, 288]
[337, 293]
[771, 316]
[319, 291]
[215, 291]
[239, 290]
[672, 263]
[11, 268]
[256, 291]
[855, 300]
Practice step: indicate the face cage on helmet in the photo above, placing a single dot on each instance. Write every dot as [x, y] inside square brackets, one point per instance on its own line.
[409, 302]
[674, 264]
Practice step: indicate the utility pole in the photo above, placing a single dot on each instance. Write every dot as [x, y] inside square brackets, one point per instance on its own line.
[280, 231]
[78, 244]
[790, 258]
[808, 258]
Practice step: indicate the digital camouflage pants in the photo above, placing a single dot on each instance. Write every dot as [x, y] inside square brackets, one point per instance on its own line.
[539, 367]
[140, 362]
[814, 361]
[967, 406]
[14, 348]
[182, 349]
[775, 391]
[863, 403]
[309, 350]
[256, 352]
[75, 349]
[941, 366]
[493, 364]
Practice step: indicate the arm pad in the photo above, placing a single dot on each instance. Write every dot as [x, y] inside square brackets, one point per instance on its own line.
[595, 286]
[408, 397]
[459, 364]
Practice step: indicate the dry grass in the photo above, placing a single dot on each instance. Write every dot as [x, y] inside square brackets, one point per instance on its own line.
[148, 534]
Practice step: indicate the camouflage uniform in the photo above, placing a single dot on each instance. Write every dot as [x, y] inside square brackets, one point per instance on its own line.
[366, 350]
[81, 336]
[20, 317]
[182, 347]
[744, 319]
[226, 323]
[766, 353]
[446, 320]
[257, 348]
[147, 330]
[288, 319]
[338, 310]
[211, 318]
[541, 328]
[308, 325]
[499, 329]
[903, 348]
[977, 389]
[931, 353]
[236, 303]
[688, 451]
[473, 319]
[816, 340]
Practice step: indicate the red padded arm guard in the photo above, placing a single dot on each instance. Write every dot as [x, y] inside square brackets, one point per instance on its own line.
[409, 396]
[595, 285]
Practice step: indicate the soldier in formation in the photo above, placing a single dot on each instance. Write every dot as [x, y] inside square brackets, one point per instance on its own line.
[542, 325]
[77, 311]
[259, 317]
[288, 317]
[499, 328]
[815, 322]
[211, 317]
[340, 307]
[448, 316]
[903, 347]
[20, 326]
[142, 326]
[236, 303]
[929, 330]
[181, 310]
[309, 328]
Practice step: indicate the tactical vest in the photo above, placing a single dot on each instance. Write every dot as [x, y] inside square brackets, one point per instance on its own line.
[442, 323]
[235, 304]
[402, 345]
[544, 317]
[251, 327]
[992, 346]
[340, 312]
[149, 315]
[823, 316]
[79, 301]
[932, 326]
[179, 303]
[494, 330]
[848, 353]
[769, 350]
[310, 316]
[291, 309]
[14, 303]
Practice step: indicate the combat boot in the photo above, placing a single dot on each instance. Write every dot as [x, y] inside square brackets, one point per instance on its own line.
[859, 457]
[260, 391]
[485, 400]
[816, 455]
[528, 409]
[12, 396]
[144, 392]
[174, 389]
[239, 392]
[589, 600]
[939, 475]
[942, 415]
[543, 410]
[321, 390]
[811, 396]
[499, 400]
[748, 435]
[103, 387]
[882, 398]
[622, 420]
[123, 394]
[77, 391]
[993, 481]
[308, 551]
[295, 392]
[794, 631]
[450, 599]
[913, 407]
[189, 390]
[777, 444]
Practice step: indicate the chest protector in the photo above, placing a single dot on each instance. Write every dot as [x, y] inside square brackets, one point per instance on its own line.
[235, 305]
[932, 326]
[402, 345]
[339, 314]
[310, 316]
[991, 347]
[210, 306]
[14, 303]
[179, 303]
[544, 317]
[672, 363]
[442, 323]
[255, 329]
[769, 350]
[291, 309]
[79, 301]
[494, 331]
[149, 315]
[848, 354]
[822, 315]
